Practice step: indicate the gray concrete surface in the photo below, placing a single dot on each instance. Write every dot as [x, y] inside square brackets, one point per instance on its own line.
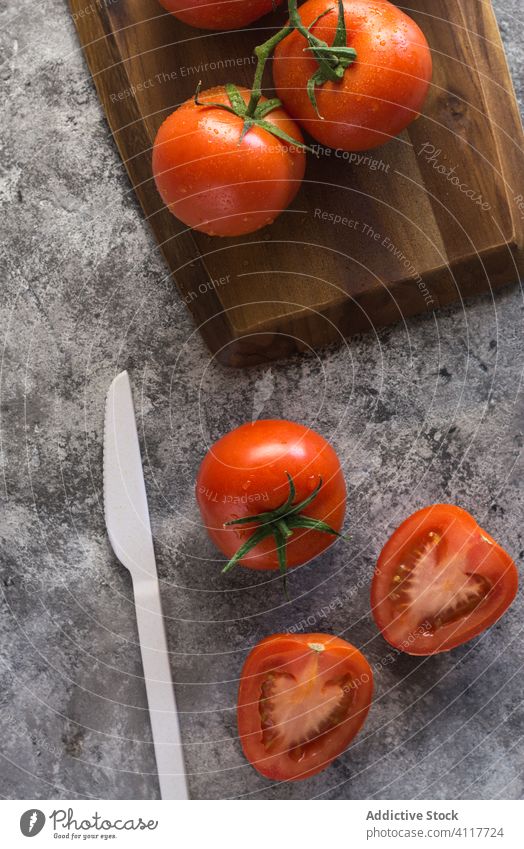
[436, 415]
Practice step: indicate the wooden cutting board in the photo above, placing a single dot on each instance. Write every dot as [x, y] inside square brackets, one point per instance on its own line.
[431, 217]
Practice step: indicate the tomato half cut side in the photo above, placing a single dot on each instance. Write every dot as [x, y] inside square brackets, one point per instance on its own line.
[302, 699]
[440, 581]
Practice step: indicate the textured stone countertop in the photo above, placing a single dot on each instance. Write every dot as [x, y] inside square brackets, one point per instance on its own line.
[85, 294]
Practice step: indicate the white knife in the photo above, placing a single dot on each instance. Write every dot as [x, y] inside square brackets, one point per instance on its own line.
[129, 530]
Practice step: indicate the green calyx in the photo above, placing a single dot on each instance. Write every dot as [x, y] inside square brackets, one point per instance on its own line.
[251, 115]
[333, 60]
[280, 524]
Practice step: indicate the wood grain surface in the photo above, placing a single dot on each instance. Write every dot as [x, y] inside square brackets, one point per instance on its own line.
[432, 217]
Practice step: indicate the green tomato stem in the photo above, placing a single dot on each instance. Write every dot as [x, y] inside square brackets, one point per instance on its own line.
[332, 63]
[263, 52]
[280, 524]
[296, 22]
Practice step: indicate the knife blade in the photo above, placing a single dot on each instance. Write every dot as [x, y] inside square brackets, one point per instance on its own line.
[129, 530]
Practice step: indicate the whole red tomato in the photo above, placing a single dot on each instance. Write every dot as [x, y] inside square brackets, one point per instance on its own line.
[440, 580]
[302, 698]
[219, 14]
[218, 183]
[281, 485]
[379, 94]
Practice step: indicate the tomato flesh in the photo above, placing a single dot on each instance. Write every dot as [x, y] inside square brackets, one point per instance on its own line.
[293, 713]
[302, 699]
[436, 588]
[440, 581]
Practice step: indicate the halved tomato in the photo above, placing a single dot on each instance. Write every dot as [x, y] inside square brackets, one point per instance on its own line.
[440, 580]
[302, 698]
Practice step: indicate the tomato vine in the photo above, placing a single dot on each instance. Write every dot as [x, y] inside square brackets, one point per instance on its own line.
[333, 61]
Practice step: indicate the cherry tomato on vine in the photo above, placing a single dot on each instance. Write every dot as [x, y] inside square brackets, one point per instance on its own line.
[302, 699]
[440, 580]
[217, 182]
[272, 494]
[380, 93]
[219, 14]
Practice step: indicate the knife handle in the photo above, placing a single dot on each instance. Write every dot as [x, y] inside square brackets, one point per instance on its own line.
[160, 691]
